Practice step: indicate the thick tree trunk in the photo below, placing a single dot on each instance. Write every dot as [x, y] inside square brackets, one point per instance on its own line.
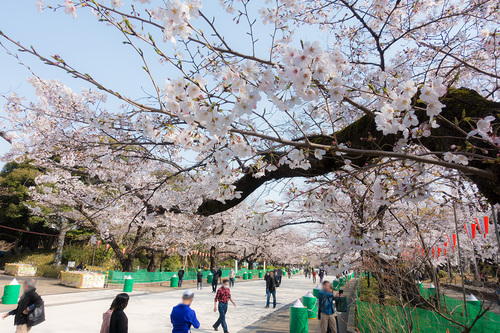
[460, 103]
[153, 262]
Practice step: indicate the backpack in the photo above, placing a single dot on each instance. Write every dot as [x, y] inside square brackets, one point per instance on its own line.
[37, 316]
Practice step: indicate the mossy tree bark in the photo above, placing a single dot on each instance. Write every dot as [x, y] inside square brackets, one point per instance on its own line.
[461, 105]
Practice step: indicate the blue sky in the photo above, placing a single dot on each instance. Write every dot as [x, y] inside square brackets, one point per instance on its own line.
[93, 48]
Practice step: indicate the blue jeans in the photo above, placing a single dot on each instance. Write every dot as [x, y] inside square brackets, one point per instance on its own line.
[179, 284]
[231, 282]
[222, 317]
[269, 293]
[199, 285]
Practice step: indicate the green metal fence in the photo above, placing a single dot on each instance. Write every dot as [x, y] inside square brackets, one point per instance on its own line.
[143, 276]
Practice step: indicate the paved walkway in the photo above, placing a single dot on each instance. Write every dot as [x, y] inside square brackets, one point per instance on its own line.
[278, 321]
[150, 312]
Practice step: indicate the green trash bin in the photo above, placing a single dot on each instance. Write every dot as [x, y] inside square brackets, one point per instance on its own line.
[432, 290]
[421, 288]
[310, 302]
[298, 318]
[128, 284]
[284, 272]
[316, 291]
[11, 292]
[210, 278]
[174, 281]
[336, 284]
[250, 275]
[245, 276]
[261, 274]
[473, 306]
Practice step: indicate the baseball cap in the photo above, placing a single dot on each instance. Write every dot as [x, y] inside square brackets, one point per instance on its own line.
[187, 294]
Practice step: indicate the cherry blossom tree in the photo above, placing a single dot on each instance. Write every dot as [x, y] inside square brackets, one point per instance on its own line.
[398, 84]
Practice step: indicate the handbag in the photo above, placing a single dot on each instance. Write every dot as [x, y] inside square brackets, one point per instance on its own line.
[341, 304]
[37, 316]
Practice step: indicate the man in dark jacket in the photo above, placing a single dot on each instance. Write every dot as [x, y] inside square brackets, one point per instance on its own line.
[215, 279]
[271, 285]
[180, 274]
[219, 274]
[28, 302]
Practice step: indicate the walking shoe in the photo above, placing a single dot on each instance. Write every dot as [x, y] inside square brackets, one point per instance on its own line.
[267, 306]
[215, 328]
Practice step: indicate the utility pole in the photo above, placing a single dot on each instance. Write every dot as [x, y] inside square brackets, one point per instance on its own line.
[60, 242]
[496, 224]
[460, 257]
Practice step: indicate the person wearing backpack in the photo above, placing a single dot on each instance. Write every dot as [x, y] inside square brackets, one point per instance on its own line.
[199, 277]
[30, 309]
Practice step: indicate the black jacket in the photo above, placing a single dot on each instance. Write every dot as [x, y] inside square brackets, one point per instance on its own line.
[199, 275]
[180, 274]
[118, 322]
[29, 298]
[271, 283]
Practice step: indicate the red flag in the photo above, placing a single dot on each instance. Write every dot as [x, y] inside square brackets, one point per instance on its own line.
[124, 250]
[99, 243]
[483, 226]
[107, 247]
[470, 229]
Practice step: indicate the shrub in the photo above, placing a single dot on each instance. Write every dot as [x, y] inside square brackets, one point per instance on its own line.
[441, 274]
[49, 271]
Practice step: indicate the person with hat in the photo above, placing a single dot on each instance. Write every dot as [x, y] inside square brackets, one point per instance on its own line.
[182, 316]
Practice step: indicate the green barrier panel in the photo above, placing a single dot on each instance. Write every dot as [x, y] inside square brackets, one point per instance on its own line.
[261, 274]
[174, 281]
[210, 278]
[128, 285]
[298, 320]
[245, 276]
[312, 307]
[11, 293]
[342, 281]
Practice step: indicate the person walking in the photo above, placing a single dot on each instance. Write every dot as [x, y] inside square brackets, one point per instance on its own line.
[222, 297]
[180, 274]
[314, 276]
[306, 270]
[182, 316]
[232, 276]
[106, 318]
[271, 285]
[28, 303]
[215, 279]
[219, 274]
[321, 275]
[118, 323]
[199, 279]
[327, 313]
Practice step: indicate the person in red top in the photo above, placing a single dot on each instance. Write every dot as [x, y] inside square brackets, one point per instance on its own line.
[223, 296]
